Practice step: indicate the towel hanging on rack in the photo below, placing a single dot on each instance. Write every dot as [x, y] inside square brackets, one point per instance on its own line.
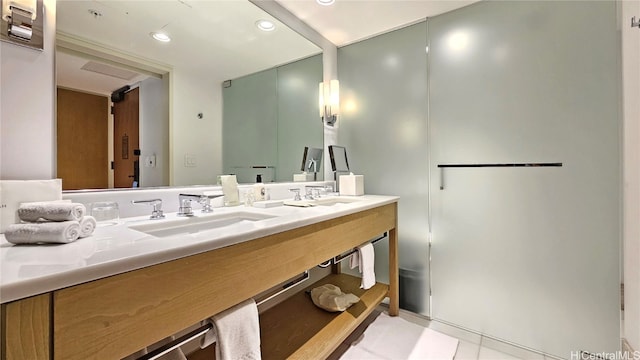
[236, 332]
[367, 257]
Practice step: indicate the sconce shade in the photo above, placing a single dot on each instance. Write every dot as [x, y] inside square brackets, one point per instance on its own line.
[321, 99]
[329, 101]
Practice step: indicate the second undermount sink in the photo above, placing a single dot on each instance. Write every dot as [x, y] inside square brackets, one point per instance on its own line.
[196, 224]
[326, 201]
[329, 201]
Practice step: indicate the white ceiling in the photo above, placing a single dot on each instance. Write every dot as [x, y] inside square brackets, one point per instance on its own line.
[215, 38]
[218, 38]
[348, 21]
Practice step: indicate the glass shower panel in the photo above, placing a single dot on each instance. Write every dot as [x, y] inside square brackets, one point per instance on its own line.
[382, 125]
[298, 122]
[250, 126]
[529, 255]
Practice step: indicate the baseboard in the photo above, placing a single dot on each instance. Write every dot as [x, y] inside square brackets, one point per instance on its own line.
[627, 350]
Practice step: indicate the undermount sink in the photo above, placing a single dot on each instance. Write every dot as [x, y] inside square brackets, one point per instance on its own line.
[334, 200]
[196, 224]
[328, 201]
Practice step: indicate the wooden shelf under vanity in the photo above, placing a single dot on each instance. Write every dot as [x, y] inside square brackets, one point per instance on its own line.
[297, 329]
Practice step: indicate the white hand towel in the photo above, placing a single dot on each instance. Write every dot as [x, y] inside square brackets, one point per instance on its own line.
[354, 261]
[87, 226]
[237, 333]
[367, 258]
[46, 232]
[52, 211]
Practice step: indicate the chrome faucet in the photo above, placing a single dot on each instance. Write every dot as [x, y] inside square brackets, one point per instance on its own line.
[157, 207]
[296, 196]
[185, 203]
[313, 191]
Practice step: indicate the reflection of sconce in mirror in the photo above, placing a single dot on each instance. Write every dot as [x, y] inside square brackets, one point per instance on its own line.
[329, 102]
[22, 22]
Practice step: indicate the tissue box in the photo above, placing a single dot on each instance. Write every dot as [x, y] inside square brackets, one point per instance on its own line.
[351, 185]
[303, 177]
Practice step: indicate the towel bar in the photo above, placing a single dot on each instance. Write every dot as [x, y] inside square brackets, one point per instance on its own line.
[341, 257]
[285, 287]
[165, 349]
[512, 165]
[192, 335]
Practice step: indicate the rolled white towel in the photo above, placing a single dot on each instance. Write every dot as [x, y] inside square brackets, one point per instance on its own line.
[52, 211]
[46, 232]
[87, 225]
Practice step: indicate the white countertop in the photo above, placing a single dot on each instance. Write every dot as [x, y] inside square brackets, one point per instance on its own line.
[28, 270]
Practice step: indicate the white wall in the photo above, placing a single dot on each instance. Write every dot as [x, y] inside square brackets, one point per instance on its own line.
[195, 93]
[631, 175]
[154, 131]
[27, 102]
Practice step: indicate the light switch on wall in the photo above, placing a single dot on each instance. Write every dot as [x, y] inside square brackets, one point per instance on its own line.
[190, 160]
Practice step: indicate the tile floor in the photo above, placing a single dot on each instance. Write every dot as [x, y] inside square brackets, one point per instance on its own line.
[473, 346]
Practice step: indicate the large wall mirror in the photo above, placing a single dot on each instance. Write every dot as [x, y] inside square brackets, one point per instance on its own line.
[177, 120]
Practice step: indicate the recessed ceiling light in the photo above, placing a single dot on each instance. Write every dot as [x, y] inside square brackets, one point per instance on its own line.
[265, 25]
[160, 36]
[325, 2]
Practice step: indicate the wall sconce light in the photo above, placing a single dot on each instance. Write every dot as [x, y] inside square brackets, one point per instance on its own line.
[329, 102]
[22, 22]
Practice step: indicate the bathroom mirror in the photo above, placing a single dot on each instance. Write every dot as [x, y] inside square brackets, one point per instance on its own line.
[311, 159]
[338, 155]
[288, 121]
[211, 42]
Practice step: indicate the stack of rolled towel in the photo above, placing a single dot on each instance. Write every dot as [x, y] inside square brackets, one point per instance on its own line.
[50, 222]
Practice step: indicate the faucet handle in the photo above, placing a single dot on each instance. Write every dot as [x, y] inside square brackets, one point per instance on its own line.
[205, 201]
[297, 194]
[157, 207]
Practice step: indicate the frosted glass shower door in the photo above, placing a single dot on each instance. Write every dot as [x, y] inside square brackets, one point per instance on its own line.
[529, 255]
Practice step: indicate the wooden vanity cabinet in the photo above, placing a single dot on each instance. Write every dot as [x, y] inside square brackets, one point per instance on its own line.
[115, 316]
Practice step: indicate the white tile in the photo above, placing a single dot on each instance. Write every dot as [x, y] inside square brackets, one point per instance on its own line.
[455, 332]
[551, 357]
[414, 318]
[467, 351]
[490, 354]
[509, 349]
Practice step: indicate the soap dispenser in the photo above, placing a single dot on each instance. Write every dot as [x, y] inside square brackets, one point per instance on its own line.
[259, 191]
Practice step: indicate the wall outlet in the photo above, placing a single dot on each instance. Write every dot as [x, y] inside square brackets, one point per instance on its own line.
[190, 160]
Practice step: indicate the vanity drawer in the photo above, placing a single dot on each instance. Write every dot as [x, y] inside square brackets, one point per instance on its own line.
[26, 328]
